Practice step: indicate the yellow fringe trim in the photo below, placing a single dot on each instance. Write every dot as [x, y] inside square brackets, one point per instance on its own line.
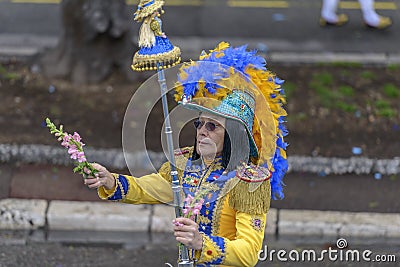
[256, 202]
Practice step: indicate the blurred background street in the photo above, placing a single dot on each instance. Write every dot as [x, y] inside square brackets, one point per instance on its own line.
[140, 249]
[290, 25]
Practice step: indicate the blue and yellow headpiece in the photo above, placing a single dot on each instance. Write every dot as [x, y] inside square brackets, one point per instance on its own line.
[239, 106]
[235, 83]
[146, 8]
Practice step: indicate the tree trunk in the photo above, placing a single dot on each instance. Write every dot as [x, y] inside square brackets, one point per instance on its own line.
[96, 41]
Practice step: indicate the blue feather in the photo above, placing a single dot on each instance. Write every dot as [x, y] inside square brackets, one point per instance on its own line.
[280, 143]
[283, 129]
[239, 58]
[281, 167]
[279, 81]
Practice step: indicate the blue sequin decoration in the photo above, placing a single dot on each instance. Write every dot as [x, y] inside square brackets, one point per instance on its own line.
[162, 45]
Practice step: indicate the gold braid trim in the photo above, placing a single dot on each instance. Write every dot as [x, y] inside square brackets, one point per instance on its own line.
[256, 202]
[209, 245]
[121, 188]
[215, 226]
[155, 27]
[181, 157]
[147, 11]
[149, 62]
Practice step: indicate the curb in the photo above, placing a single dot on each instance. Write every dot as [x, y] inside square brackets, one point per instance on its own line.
[24, 46]
[150, 161]
[17, 214]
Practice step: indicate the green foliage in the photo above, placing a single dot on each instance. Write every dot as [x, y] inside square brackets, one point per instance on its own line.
[321, 83]
[391, 90]
[330, 98]
[346, 107]
[326, 96]
[387, 112]
[289, 89]
[7, 74]
[300, 116]
[343, 64]
[380, 104]
[340, 64]
[346, 90]
[323, 78]
[53, 128]
[368, 75]
[383, 109]
[393, 67]
[2, 69]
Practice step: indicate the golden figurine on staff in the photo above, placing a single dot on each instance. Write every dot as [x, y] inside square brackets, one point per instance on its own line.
[155, 48]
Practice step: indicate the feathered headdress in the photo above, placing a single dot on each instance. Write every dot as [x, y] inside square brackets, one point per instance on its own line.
[235, 83]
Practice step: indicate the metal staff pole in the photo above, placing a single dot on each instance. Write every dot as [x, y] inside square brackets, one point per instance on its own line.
[184, 260]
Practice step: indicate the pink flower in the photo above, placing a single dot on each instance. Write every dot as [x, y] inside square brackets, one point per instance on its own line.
[74, 145]
[76, 137]
[198, 206]
[185, 211]
[178, 223]
[65, 141]
[81, 157]
[189, 199]
[73, 151]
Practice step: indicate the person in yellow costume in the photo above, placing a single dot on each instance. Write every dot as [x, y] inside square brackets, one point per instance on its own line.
[238, 156]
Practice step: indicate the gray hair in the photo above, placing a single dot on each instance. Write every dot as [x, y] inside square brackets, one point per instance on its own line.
[236, 145]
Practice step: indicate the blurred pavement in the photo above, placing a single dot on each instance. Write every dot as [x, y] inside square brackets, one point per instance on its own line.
[286, 31]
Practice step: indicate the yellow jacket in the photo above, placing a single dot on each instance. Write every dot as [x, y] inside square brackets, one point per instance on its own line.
[232, 219]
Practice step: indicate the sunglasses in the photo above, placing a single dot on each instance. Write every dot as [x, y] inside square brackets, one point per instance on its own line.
[210, 126]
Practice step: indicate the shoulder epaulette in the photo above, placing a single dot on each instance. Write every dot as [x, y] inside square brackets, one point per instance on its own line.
[252, 173]
[252, 193]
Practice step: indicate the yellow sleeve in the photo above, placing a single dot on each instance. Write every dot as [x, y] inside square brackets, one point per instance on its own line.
[242, 251]
[149, 189]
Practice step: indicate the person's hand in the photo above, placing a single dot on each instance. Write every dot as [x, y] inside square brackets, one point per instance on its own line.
[102, 178]
[186, 232]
